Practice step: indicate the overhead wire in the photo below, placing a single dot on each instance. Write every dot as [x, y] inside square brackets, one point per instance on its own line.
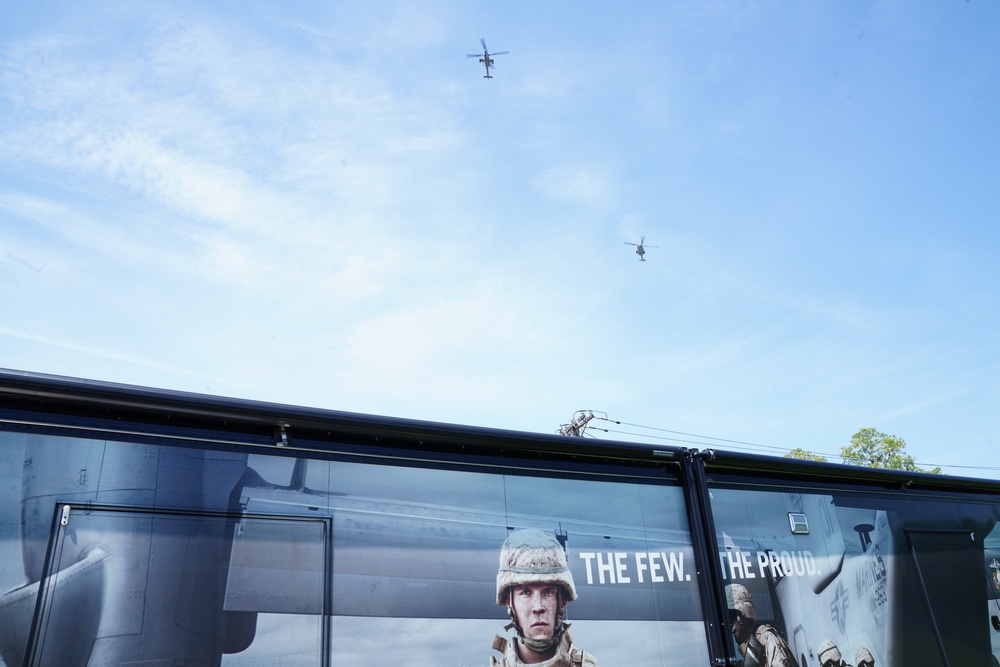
[691, 435]
[704, 440]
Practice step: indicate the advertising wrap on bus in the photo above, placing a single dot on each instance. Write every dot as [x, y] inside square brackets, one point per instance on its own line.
[150, 529]
[860, 580]
[181, 552]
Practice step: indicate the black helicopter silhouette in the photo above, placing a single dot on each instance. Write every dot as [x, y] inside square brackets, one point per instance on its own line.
[487, 57]
[640, 249]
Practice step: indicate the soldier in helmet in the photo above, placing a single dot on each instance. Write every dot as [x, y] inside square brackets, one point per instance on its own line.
[535, 584]
[759, 643]
[863, 657]
[829, 654]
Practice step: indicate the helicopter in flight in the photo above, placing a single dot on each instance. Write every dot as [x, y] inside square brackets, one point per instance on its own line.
[487, 57]
[640, 249]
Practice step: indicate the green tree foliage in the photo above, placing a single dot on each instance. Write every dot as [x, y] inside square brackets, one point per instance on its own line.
[799, 453]
[874, 449]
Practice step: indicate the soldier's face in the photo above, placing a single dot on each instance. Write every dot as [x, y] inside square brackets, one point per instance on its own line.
[740, 626]
[536, 607]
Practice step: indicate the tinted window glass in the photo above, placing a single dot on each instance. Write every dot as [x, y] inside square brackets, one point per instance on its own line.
[260, 560]
[895, 578]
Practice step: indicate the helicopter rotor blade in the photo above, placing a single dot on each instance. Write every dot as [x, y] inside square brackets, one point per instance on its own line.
[483, 42]
[474, 55]
[500, 53]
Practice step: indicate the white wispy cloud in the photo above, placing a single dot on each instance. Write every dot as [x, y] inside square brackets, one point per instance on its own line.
[588, 185]
[336, 190]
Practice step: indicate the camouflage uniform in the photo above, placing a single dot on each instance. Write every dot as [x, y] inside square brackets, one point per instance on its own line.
[527, 557]
[765, 647]
[566, 655]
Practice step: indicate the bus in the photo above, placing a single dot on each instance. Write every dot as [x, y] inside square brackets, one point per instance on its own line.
[155, 528]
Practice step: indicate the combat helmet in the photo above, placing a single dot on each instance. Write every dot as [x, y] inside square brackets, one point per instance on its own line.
[828, 651]
[532, 556]
[738, 597]
[863, 655]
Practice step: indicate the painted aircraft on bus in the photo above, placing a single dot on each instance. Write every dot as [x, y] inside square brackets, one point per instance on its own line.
[134, 552]
[140, 551]
[872, 581]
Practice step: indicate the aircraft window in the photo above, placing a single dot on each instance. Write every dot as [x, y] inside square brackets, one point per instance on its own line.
[798, 522]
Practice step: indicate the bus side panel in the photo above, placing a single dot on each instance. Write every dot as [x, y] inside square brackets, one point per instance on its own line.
[883, 576]
[203, 557]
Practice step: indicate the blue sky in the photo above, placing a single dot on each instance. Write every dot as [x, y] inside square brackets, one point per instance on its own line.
[328, 205]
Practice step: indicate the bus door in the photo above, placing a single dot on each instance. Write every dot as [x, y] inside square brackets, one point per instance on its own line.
[151, 587]
[992, 571]
[949, 572]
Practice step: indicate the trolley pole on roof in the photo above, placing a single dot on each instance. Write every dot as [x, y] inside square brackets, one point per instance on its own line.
[577, 425]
